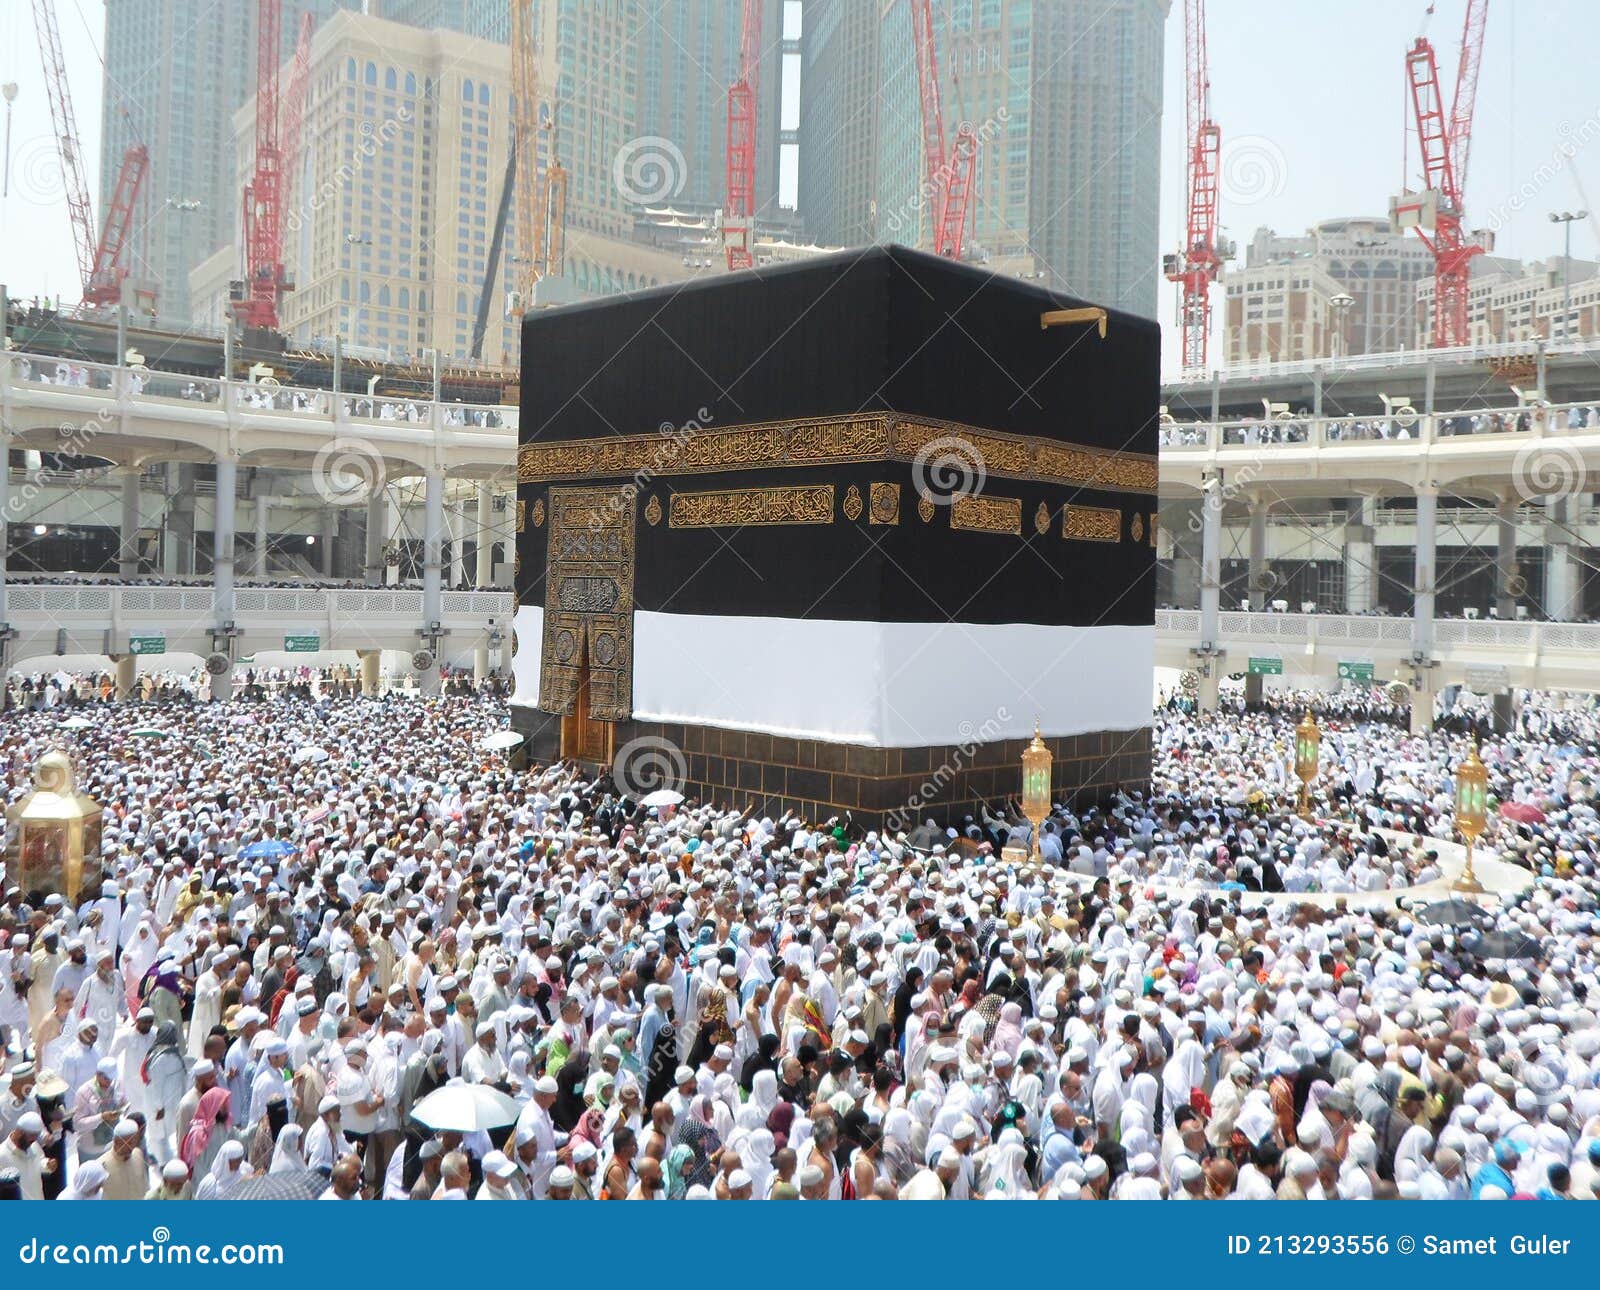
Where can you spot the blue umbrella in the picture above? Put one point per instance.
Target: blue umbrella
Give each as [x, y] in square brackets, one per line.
[267, 849]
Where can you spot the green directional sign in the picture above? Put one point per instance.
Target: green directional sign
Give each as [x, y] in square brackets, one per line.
[1355, 672]
[1266, 667]
[302, 644]
[147, 644]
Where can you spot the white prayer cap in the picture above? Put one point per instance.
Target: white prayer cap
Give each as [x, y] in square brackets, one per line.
[583, 1150]
[328, 1103]
[497, 1165]
[30, 1123]
[1186, 1168]
[546, 1084]
[205, 1066]
[949, 1158]
[174, 1171]
[126, 1129]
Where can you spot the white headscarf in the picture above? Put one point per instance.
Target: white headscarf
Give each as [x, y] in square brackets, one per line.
[286, 1153]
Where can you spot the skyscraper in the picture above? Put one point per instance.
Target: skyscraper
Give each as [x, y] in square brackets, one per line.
[840, 98]
[176, 71]
[1065, 98]
[1095, 148]
[688, 55]
[393, 208]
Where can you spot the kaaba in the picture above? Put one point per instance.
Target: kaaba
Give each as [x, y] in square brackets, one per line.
[835, 536]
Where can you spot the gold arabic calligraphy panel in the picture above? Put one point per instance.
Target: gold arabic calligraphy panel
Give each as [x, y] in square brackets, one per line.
[588, 608]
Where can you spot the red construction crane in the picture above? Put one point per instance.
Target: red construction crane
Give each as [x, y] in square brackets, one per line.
[256, 303]
[949, 176]
[738, 218]
[1445, 140]
[1199, 263]
[100, 259]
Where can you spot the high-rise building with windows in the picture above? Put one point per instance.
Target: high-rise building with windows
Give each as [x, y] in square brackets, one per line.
[1065, 98]
[392, 210]
[176, 71]
[840, 103]
[689, 53]
[486, 19]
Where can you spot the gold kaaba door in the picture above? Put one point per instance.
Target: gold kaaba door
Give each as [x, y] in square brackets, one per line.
[586, 665]
[584, 736]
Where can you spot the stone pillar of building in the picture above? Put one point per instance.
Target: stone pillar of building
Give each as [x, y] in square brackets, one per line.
[222, 610]
[1361, 558]
[325, 539]
[1211, 594]
[261, 507]
[1422, 608]
[1506, 589]
[485, 536]
[377, 532]
[128, 527]
[1258, 590]
[125, 674]
[1563, 598]
[432, 572]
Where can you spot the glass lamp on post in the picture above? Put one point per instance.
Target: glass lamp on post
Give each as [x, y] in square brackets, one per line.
[1472, 813]
[1307, 746]
[1036, 762]
[54, 846]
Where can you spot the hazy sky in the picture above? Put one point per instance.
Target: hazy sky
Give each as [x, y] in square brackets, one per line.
[1309, 96]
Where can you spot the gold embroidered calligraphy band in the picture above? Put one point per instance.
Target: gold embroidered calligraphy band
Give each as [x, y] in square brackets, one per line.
[835, 440]
[742, 507]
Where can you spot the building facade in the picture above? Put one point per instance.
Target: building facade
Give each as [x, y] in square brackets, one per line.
[1378, 268]
[840, 107]
[176, 72]
[1065, 100]
[1281, 312]
[1509, 301]
[393, 208]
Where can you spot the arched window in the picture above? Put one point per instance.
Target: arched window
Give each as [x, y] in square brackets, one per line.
[344, 288]
[483, 94]
[461, 302]
[383, 294]
[466, 90]
[411, 82]
[365, 293]
[371, 75]
[391, 79]
[422, 301]
[405, 297]
[350, 70]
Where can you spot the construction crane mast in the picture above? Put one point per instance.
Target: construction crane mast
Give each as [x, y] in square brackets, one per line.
[541, 197]
[738, 219]
[1445, 138]
[101, 267]
[949, 176]
[1199, 263]
[256, 302]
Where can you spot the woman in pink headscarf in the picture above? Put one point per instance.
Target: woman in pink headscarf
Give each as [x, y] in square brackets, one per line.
[202, 1142]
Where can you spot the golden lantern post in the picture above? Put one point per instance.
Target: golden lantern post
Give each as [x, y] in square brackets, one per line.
[1307, 746]
[1472, 813]
[1036, 762]
[54, 846]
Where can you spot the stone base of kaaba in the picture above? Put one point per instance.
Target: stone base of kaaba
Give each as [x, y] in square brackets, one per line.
[895, 788]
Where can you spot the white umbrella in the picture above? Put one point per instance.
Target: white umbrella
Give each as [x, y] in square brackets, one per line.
[465, 1108]
[662, 797]
[501, 739]
[76, 723]
[310, 753]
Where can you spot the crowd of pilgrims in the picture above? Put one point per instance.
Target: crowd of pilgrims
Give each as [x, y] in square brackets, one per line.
[291, 955]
